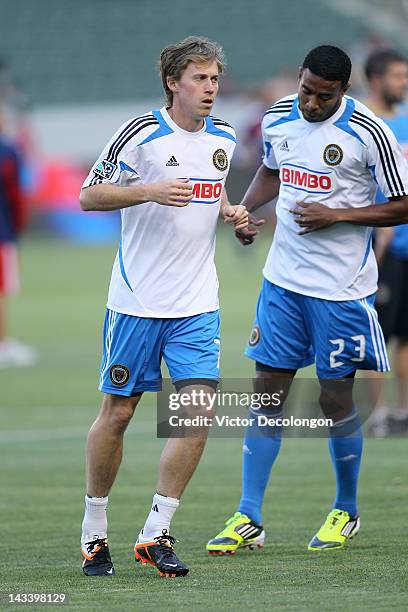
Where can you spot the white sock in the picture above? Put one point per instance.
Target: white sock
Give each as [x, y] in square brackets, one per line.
[163, 509]
[95, 523]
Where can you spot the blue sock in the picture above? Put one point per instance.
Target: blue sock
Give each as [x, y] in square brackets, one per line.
[260, 449]
[346, 447]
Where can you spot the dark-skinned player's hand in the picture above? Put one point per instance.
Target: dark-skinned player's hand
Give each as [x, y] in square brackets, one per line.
[247, 235]
[313, 216]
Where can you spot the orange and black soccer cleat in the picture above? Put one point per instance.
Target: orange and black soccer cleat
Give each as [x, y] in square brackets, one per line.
[97, 559]
[160, 554]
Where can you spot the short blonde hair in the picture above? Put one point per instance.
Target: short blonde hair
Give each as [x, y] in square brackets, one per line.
[175, 58]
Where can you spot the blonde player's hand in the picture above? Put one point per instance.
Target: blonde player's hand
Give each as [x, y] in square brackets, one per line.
[236, 216]
[172, 192]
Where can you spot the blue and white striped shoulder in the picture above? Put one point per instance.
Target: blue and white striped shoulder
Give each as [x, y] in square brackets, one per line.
[139, 126]
[282, 107]
[371, 127]
[219, 127]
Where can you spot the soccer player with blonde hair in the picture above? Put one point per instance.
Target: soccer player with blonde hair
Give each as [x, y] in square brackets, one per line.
[166, 172]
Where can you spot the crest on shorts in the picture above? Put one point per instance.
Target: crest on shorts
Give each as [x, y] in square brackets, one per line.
[105, 169]
[119, 375]
[254, 337]
[220, 160]
[332, 155]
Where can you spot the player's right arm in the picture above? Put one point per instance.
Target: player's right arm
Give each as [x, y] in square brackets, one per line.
[106, 197]
[263, 188]
[116, 180]
[265, 185]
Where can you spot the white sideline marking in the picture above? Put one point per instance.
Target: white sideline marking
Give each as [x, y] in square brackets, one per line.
[62, 433]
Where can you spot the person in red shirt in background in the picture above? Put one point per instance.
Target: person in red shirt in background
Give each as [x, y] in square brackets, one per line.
[13, 218]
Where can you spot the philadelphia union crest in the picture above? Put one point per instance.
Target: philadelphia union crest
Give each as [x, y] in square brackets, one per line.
[119, 375]
[254, 337]
[333, 154]
[220, 160]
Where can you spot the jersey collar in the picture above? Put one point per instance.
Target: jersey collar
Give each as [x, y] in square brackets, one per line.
[176, 128]
[331, 119]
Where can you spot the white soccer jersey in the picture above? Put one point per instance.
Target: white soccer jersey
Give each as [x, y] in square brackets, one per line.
[336, 162]
[165, 262]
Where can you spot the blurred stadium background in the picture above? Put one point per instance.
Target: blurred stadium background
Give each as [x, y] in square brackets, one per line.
[70, 73]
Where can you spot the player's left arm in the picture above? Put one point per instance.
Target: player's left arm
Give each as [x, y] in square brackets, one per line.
[385, 157]
[234, 215]
[315, 216]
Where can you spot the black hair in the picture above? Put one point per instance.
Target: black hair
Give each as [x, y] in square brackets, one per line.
[377, 62]
[329, 63]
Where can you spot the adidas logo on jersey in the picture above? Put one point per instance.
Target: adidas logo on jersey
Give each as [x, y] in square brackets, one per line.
[284, 146]
[172, 161]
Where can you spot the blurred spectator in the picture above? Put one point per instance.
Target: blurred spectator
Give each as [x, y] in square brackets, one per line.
[13, 108]
[249, 148]
[386, 71]
[362, 48]
[13, 218]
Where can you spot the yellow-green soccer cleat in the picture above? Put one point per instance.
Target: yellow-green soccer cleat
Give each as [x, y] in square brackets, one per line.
[337, 528]
[239, 532]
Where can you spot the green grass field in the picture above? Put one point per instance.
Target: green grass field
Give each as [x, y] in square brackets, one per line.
[45, 414]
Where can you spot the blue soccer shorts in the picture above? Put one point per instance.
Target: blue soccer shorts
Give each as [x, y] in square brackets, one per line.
[292, 331]
[134, 348]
